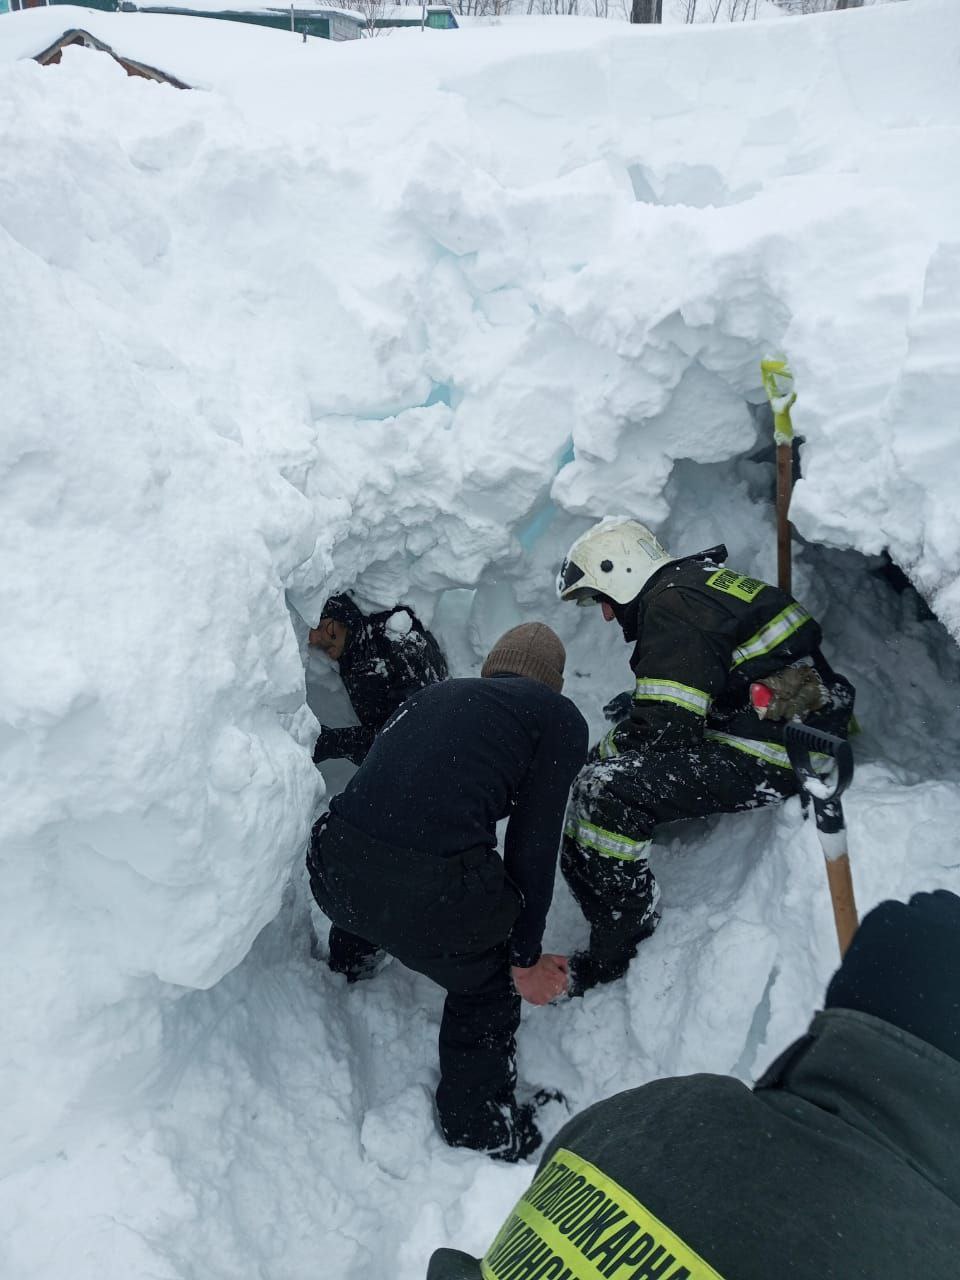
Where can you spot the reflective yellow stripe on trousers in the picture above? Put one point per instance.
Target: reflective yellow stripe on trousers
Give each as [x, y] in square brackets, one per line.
[610, 843]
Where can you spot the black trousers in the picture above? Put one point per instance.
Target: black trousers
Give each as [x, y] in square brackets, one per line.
[615, 807]
[449, 918]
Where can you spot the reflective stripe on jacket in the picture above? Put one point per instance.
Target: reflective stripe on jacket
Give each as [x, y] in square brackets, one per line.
[704, 633]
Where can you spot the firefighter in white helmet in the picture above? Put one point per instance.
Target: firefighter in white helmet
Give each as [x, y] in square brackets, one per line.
[690, 741]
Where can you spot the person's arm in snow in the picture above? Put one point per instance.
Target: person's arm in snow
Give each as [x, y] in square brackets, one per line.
[350, 743]
[402, 659]
[430, 659]
[680, 668]
[535, 827]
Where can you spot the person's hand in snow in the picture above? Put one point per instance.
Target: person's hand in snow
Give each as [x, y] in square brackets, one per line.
[543, 981]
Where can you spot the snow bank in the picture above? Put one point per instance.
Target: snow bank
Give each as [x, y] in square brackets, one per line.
[406, 316]
[154, 780]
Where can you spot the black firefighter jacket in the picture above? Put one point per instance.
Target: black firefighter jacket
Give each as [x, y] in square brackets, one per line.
[704, 633]
[842, 1164]
[389, 656]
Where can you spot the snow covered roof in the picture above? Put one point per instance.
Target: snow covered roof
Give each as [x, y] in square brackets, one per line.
[411, 11]
[237, 6]
[402, 16]
[198, 51]
[54, 52]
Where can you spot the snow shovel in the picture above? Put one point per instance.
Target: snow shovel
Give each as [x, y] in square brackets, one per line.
[778, 384]
[824, 790]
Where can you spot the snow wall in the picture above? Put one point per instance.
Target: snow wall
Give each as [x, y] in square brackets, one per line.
[406, 316]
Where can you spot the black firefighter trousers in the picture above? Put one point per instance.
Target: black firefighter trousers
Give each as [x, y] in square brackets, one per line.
[615, 806]
[449, 918]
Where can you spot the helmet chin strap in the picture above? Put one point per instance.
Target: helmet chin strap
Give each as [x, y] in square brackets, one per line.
[628, 615]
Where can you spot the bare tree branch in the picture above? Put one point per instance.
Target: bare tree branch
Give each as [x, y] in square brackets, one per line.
[373, 11]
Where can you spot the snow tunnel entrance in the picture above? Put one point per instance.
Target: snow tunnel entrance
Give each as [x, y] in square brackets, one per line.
[286, 1068]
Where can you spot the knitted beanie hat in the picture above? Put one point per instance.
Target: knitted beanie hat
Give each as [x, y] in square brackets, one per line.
[531, 649]
[342, 609]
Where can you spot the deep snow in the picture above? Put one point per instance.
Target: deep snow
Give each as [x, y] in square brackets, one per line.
[406, 316]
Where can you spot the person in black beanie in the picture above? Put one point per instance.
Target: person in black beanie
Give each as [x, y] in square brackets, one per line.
[382, 659]
[842, 1163]
[406, 861]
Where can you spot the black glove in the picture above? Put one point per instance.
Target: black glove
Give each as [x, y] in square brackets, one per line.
[351, 743]
[619, 707]
[904, 966]
[326, 747]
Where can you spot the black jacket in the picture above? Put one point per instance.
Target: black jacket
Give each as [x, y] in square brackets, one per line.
[389, 656]
[703, 634]
[456, 759]
[843, 1164]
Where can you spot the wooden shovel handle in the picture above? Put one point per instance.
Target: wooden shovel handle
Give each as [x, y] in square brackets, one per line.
[844, 904]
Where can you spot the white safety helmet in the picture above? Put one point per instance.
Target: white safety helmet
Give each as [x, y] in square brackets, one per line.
[615, 559]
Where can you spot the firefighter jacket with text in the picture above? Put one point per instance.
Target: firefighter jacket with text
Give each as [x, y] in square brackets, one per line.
[704, 633]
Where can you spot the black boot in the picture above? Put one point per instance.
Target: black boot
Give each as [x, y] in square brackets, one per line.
[619, 898]
[352, 956]
[523, 1134]
[525, 1137]
[504, 1130]
[590, 970]
[600, 964]
[586, 971]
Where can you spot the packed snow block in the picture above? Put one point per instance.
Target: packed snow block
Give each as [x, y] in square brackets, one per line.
[461, 206]
[156, 783]
[395, 505]
[927, 543]
[701, 417]
[910, 440]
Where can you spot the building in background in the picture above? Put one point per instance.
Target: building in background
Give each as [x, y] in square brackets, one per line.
[440, 17]
[327, 22]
